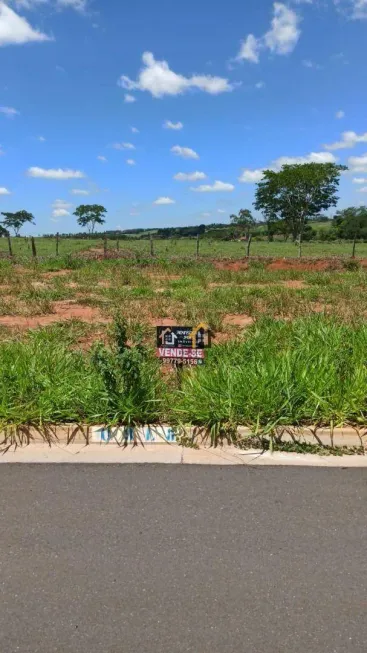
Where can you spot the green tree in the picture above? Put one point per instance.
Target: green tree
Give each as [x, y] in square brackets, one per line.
[244, 220]
[89, 215]
[351, 224]
[297, 193]
[16, 220]
[3, 231]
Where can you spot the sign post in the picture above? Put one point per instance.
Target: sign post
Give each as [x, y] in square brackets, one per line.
[182, 345]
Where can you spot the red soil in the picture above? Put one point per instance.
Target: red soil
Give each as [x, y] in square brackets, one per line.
[63, 310]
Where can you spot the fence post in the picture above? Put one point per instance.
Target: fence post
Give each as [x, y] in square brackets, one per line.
[34, 251]
[354, 248]
[105, 247]
[57, 244]
[118, 244]
[10, 247]
[197, 245]
[248, 246]
[151, 245]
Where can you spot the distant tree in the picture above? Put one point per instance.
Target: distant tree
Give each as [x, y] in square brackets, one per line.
[89, 215]
[3, 232]
[16, 220]
[244, 220]
[297, 193]
[351, 224]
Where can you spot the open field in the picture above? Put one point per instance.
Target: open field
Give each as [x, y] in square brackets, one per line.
[184, 247]
[289, 345]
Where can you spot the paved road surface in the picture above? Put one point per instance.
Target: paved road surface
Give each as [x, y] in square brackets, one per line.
[173, 559]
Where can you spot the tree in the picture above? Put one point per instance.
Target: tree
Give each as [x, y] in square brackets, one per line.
[16, 220]
[351, 223]
[3, 232]
[245, 220]
[297, 193]
[89, 215]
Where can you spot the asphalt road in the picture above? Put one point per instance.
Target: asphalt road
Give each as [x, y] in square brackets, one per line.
[176, 559]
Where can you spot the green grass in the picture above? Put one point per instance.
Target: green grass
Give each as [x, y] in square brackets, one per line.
[184, 247]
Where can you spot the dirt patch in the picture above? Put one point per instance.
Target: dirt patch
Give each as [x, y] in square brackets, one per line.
[5, 288]
[63, 310]
[302, 266]
[296, 284]
[104, 284]
[163, 321]
[39, 284]
[240, 319]
[56, 273]
[164, 277]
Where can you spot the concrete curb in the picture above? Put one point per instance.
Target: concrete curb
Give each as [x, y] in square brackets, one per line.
[161, 434]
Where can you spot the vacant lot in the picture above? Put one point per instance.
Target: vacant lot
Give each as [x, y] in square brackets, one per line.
[289, 345]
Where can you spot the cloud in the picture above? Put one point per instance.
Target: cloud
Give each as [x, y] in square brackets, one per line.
[9, 112]
[281, 38]
[123, 146]
[249, 49]
[340, 114]
[4, 191]
[134, 130]
[260, 85]
[59, 213]
[79, 191]
[254, 176]
[58, 173]
[172, 125]
[158, 79]
[348, 140]
[354, 9]
[164, 200]
[184, 152]
[1, 151]
[359, 180]
[15, 30]
[41, 139]
[129, 99]
[130, 162]
[78, 5]
[217, 187]
[308, 63]
[250, 176]
[221, 211]
[206, 214]
[189, 176]
[102, 158]
[358, 163]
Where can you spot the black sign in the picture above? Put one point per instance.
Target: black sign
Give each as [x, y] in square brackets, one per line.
[183, 337]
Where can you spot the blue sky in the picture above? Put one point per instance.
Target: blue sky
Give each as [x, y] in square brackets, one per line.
[166, 113]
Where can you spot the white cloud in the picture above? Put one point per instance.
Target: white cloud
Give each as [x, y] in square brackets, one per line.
[41, 139]
[102, 158]
[15, 30]
[168, 124]
[354, 9]
[157, 78]
[61, 204]
[362, 190]
[254, 176]
[134, 130]
[308, 63]
[358, 163]
[4, 191]
[217, 187]
[260, 85]
[359, 180]
[58, 173]
[134, 212]
[281, 38]
[250, 176]
[78, 5]
[340, 114]
[184, 152]
[284, 33]
[221, 211]
[130, 162]
[79, 191]
[164, 200]
[129, 99]
[9, 112]
[206, 214]
[348, 140]
[249, 49]
[59, 213]
[189, 176]
[123, 146]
